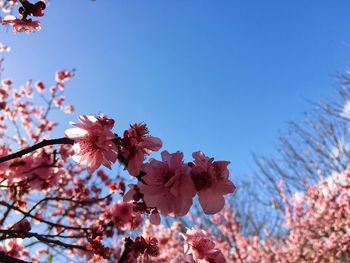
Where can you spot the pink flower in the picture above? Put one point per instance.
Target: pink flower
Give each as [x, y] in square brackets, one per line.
[63, 76]
[14, 248]
[211, 181]
[168, 185]
[69, 109]
[93, 142]
[20, 25]
[183, 259]
[136, 221]
[7, 83]
[136, 144]
[123, 216]
[4, 150]
[122, 213]
[37, 170]
[66, 151]
[201, 246]
[59, 101]
[40, 86]
[4, 48]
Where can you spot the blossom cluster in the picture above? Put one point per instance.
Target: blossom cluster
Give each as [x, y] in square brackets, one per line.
[167, 186]
[23, 24]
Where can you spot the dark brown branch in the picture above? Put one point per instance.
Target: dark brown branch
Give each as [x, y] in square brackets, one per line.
[127, 249]
[25, 234]
[35, 147]
[6, 215]
[8, 259]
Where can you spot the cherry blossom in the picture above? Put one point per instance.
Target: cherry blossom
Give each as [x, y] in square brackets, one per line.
[136, 144]
[26, 9]
[40, 86]
[93, 142]
[62, 76]
[201, 246]
[4, 48]
[36, 170]
[211, 180]
[14, 248]
[124, 216]
[53, 207]
[19, 25]
[168, 185]
[183, 259]
[50, 203]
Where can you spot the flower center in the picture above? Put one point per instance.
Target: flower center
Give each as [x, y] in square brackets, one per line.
[89, 144]
[202, 180]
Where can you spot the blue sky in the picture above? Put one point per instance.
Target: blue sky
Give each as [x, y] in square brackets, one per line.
[219, 76]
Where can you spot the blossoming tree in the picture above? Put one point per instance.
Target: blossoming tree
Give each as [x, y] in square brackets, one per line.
[60, 201]
[57, 200]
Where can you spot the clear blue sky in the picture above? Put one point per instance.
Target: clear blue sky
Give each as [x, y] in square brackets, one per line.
[220, 76]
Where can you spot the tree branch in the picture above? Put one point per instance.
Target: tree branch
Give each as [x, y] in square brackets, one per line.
[8, 259]
[127, 249]
[37, 146]
[25, 234]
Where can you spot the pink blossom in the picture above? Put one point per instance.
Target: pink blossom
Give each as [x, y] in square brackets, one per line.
[53, 90]
[4, 150]
[7, 83]
[59, 101]
[93, 142]
[122, 213]
[146, 246]
[89, 255]
[136, 222]
[136, 144]
[124, 216]
[68, 109]
[183, 259]
[132, 194]
[14, 248]
[168, 185]
[211, 180]
[63, 75]
[19, 25]
[3, 94]
[37, 170]
[4, 48]
[40, 86]
[202, 246]
[66, 151]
